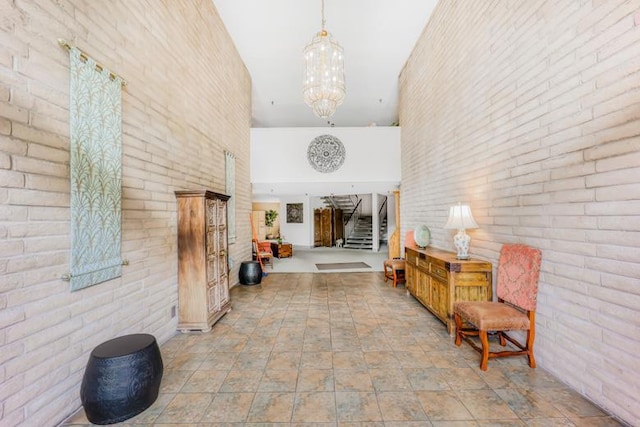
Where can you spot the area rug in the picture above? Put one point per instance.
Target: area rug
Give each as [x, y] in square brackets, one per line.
[342, 265]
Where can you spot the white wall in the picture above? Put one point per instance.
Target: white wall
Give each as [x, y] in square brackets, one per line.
[297, 234]
[279, 161]
[280, 170]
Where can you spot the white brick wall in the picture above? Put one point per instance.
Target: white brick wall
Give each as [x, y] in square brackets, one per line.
[188, 100]
[530, 112]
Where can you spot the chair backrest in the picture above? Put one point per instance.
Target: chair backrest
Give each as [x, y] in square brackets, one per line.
[264, 247]
[518, 274]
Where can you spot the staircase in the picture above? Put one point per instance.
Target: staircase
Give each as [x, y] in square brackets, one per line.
[362, 235]
[345, 203]
[383, 231]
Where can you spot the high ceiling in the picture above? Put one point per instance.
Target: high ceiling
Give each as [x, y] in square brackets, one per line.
[377, 37]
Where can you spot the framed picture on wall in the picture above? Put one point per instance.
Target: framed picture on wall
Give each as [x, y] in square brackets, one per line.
[294, 213]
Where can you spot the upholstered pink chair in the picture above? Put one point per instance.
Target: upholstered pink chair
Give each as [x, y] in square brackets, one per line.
[517, 290]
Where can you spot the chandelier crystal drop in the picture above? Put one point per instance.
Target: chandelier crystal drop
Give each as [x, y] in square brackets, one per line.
[324, 88]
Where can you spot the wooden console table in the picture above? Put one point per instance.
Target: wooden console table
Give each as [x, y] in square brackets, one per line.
[437, 279]
[282, 250]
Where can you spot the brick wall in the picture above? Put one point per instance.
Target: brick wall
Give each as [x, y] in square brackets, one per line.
[530, 112]
[187, 100]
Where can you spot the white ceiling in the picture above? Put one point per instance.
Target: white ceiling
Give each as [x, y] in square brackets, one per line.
[377, 37]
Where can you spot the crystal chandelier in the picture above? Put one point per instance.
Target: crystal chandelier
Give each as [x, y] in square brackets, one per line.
[324, 76]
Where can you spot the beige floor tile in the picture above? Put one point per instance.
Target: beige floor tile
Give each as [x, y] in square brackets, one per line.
[315, 380]
[571, 404]
[389, 380]
[317, 345]
[596, 422]
[501, 423]
[353, 380]
[219, 361]
[349, 360]
[186, 361]
[443, 406]
[316, 360]
[278, 380]
[204, 382]
[285, 360]
[289, 345]
[381, 360]
[260, 343]
[427, 379]
[319, 407]
[550, 422]
[271, 408]
[396, 406]
[241, 381]
[406, 424]
[528, 404]
[353, 406]
[454, 424]
[485, 405]
[185, 408]
[465, 379]
[345, 344]
[375, 344]
[173, 381]
[251, 360]
[228, 407]
[413, 359]
[149, 415]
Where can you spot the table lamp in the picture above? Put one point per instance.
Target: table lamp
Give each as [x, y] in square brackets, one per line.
[460, 218]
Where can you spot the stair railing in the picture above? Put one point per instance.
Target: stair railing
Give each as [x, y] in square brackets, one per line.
[332, 201]
[382, 214]
[352, 219]
[355, 211]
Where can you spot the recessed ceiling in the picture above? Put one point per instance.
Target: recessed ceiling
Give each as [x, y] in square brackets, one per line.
[377, 37]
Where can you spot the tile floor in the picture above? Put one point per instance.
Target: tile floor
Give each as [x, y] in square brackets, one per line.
[346, 349]
[304, 260]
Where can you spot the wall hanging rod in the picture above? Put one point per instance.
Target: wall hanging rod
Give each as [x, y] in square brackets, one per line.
[65, 44]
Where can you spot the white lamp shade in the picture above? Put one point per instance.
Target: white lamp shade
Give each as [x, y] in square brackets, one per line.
[460, 218]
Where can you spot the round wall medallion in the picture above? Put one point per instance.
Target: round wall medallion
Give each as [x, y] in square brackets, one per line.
[326, 153]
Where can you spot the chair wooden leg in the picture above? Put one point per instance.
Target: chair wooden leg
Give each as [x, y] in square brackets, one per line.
[531, 334]
[458, 321]
[484, 339]
[395, 277]
[502, 339]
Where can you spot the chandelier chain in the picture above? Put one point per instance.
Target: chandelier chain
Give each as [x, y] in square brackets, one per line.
[323, 20]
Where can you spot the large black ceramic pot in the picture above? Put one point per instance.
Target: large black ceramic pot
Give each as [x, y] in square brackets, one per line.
[122, 378]
[250, 273]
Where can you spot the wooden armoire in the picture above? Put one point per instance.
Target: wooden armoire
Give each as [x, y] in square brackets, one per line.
[328, 226]
[203, 259]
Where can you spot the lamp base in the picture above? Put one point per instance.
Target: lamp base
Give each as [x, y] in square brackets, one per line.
[461, 241]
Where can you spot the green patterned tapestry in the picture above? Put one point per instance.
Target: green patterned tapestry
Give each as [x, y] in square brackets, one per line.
[96, 173]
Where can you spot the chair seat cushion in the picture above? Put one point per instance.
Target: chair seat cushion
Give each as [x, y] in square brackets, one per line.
[397, 264]
[492, 316]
